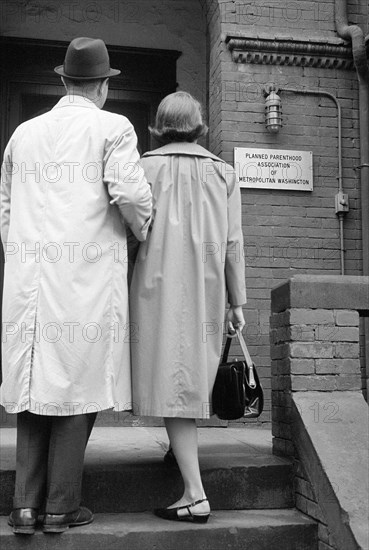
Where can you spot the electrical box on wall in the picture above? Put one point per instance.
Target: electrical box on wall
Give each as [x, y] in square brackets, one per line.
[342, 202]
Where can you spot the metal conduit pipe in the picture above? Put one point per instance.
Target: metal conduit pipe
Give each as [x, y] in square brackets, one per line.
[356, 35]
[340, 180]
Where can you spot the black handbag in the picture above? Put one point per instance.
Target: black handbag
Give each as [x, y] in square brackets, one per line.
[237, 390]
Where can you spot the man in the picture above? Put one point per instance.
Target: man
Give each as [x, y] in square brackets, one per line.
[71, 182]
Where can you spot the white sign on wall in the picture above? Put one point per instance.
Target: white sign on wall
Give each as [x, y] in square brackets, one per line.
[274, 169]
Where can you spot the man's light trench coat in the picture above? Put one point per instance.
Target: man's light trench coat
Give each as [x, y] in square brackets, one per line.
[69, 179]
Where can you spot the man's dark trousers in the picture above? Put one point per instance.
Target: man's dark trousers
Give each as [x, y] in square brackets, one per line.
[49, 463]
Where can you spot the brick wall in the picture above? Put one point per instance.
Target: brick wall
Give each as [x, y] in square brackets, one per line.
[359, 14]
[311, 350]
[289, 232]
[214, 51]
[307, 501]
[314, 18]
[315, 354]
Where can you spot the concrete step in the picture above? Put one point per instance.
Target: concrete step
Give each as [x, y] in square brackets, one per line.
[125, 472]
[236, 530]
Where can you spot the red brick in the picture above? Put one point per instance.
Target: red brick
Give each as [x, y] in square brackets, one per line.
[301, 503]
[284, 430]
[281, 414]
[347, 318]
[279, 351]
[313, 383]
[348, 382]
[349, 350]
[281, 398]
[303, 487]
[281, 366]
[313, 509]
[311, 317]
[302, 366]
[337, 366]
[310, 350]
[323, 533]
[281, 383]
[274, 340]
[301, 333]
[337, 334]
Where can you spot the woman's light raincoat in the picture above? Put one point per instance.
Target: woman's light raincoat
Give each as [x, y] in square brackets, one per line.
[192, 257]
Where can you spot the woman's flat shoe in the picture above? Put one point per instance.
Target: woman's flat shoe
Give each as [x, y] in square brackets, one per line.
[183, 513]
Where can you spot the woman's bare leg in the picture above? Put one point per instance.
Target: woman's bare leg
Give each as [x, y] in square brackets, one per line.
[182, 433]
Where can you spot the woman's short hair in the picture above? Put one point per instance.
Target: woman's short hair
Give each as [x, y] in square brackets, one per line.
[178, 118]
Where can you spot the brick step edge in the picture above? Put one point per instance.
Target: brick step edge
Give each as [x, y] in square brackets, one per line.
[261, 530]
[117, 488]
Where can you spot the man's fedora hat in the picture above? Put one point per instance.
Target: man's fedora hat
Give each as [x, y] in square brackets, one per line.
[86, 59]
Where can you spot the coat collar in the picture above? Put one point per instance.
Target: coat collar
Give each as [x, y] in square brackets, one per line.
[75, 101]
[182, 148]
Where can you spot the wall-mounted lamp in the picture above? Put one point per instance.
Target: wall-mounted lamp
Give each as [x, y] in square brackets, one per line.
[273, 112]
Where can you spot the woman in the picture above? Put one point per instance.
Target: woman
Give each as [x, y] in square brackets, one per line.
[193, 255]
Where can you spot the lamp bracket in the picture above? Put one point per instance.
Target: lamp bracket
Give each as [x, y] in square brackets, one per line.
[270, 88]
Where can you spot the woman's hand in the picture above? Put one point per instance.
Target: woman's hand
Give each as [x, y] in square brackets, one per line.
[235, 319]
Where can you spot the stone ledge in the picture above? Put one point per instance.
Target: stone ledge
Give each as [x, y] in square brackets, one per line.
[334, 452]
[286, 50]
[322, 292]
[331, 40]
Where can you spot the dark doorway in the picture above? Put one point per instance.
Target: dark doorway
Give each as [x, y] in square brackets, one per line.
[29, 85]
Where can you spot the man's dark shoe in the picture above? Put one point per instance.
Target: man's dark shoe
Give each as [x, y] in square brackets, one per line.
[23, 521]
[57, 523]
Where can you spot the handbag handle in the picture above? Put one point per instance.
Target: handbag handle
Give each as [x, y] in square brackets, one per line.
[245, 351]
